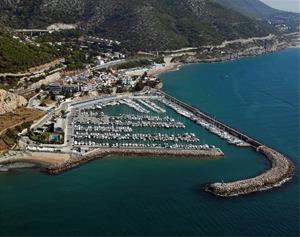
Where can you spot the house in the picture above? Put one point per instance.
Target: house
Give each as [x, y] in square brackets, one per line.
[55, 88]
[71, 88]
[59, 125]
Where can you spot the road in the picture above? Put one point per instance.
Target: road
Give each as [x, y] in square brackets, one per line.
[109, 64]
[242, 41]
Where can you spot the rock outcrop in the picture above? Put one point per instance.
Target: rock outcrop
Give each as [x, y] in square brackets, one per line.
[9, 101]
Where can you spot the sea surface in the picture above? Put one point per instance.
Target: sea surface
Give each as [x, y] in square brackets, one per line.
[160, 196]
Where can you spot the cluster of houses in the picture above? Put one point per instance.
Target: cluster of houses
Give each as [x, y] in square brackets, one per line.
[108, 57]
[72, 85]
[85, 83]
[94, 39]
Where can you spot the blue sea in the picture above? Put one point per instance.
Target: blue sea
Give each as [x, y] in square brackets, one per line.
[164, 197]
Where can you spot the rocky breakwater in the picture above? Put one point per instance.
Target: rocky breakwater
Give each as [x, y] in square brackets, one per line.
[282, 170]
[9, 101]
[77, 160]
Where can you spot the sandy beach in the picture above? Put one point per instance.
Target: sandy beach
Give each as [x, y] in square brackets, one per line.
[41, 158]
[154, 71]
[168, 66]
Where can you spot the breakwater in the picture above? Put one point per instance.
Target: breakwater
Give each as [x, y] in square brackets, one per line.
[77, 160]
[282, 169]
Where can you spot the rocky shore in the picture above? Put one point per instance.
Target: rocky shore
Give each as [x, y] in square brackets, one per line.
[78, 160]
[282, 170]
[251, 52]
[232, 50]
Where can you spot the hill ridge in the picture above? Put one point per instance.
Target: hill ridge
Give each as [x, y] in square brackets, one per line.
[140, 24]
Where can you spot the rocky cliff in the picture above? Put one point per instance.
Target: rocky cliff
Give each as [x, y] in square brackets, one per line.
[9, 101]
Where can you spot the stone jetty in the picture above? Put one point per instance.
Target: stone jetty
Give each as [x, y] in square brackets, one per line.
[282, 170]
[77, 160]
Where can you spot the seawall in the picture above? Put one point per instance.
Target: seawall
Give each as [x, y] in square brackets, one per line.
[78, 160]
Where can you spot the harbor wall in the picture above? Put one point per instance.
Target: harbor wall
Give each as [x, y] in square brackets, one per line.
[281, 171]
[78, 160]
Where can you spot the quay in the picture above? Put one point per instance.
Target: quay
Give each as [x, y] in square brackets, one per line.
[282, 169]
[78, 160]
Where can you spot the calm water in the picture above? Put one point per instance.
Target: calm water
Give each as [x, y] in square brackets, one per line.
[141, 196]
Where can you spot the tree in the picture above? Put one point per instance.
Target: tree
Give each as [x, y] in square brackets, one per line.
[44, 87]
[145, 75]
[63, 112]
[139, 86]
[52, 96]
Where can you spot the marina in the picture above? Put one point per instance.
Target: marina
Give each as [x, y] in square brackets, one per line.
[142, 106]
[135, 105]
[87, 135]
[144, 124]
[92, 128]
[212, 127]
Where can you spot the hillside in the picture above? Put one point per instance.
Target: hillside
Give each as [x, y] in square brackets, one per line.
[251, 8]
[139, 24]
[259, 10]
[18, 56]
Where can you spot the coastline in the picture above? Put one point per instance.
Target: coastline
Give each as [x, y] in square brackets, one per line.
[43, 159]
[173, 66]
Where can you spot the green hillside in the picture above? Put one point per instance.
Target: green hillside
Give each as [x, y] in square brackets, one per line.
[18, 57]
[139, 24]
[251, 8]
[261, 11]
